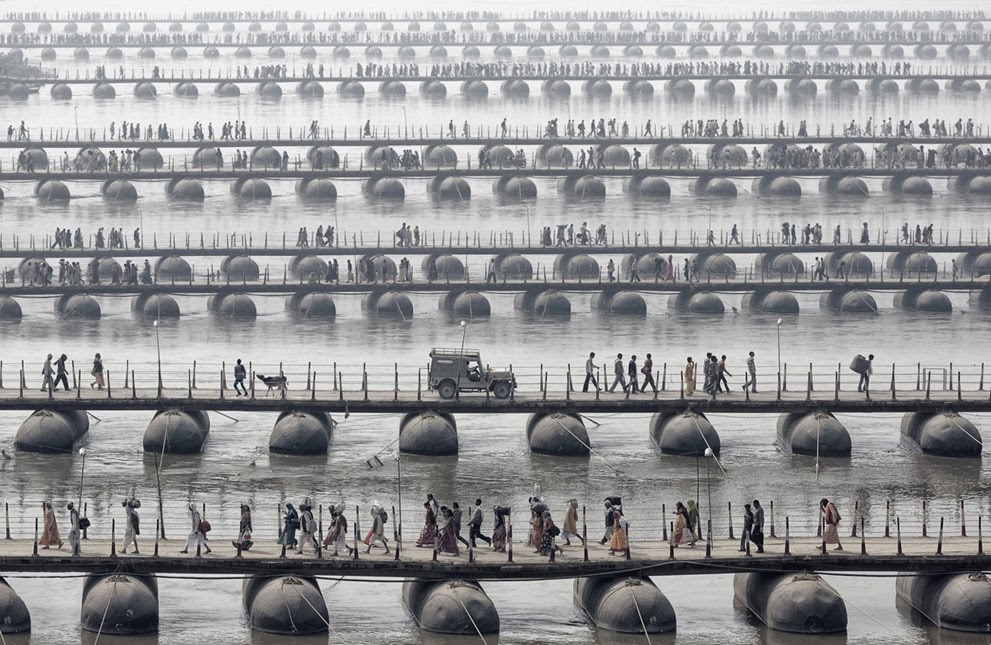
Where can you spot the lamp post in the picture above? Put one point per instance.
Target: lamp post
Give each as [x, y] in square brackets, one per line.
[529, 236]
[158, 347]
[778, 327]
[82, 474]
[708, 490]
[461, 359]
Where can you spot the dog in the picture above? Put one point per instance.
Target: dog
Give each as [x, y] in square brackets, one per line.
[274, 383]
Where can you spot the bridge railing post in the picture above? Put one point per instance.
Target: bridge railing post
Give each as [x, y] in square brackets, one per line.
[35, 551]
[357, 531]
[584, 536]
[509, 537]
[856, 510]
[863, 537]
[887, 518]
[708, 539]
[157, 521]
[729, 513]
[787, 535]
[925, 519]
[772, 520]
[664, 522]
[898, 533]
[980, 535]
[939, 544]
[963, 521]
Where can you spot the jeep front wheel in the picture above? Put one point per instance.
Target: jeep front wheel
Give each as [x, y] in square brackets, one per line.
[502, 390]
[447, 389]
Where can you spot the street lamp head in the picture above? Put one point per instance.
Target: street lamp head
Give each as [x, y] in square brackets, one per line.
[708, 452]
[779, 322]
[82, 452]
[464, 324]
[155, 324]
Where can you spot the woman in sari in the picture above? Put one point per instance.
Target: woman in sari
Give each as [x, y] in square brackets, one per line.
[499, 531]
[669, 274]
[831, 519]
[570, 529]
[289, 527]
[536, 529]
[682, 533]
[50, 535]
[337, 534]
[548, 533]
[448, 540]
[690, 376]
[428, 534]
[244, 530]
[618, 542]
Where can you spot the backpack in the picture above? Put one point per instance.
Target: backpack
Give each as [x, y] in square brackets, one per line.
[383, 515]
[84, 523]
[554, 531]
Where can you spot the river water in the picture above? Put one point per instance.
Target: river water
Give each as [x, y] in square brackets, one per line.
[494, 462]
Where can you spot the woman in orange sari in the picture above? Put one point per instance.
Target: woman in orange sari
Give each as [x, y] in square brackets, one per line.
[618, 541]
[50, 535]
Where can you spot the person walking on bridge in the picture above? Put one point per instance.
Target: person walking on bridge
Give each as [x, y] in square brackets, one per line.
[475, 525]
[751, 380]
[97, 372]
[46, 375]
[61, 375]
[757, 531]
[50, 534]
[831, 521]
[748, 527]
[239, 375]
[632, 372]
[197, 537]
[132, 527]
[689, 376]
[74, 531]
[620, 374]
[590, 373]
[648, 375]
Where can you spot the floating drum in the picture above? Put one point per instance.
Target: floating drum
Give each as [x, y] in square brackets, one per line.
[557, 434]
[946, 434]
[432, 89]
[475, 89]
[771, 302]
[471, 52]
[172, 268]
[317, 188]
[120, 605]
[186, 90]
[155, 305]
[80, 53]
[52, 190]
[177, 432]
[439, 156]
[959, 602]
[80, 305]
[396, 89]
[291, 605]
[61, 92]
[227, 90]
[179, 53]
[683, 434]
[438, 51]
[849, 301]
[628, 303]
[252, 189]
[10, 309]
[390, 303]
[305, 266]
[513, 267]
[516, 89]
[385, 188]
[301, 433]
[577, 267]
[798, 603]
[146, 52]
[211, 52]
[145, 90]
[625, 605]
[666, 51]
[451, 607]
[312, 305]
[428, 433]
[187, 190]
[49, 431]
[467, 304]
[269, 90]
[310, 89]
[702, 302]
[814, 433]
[232, 305]
[242, 52]
[14, 615]
[447, 267]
